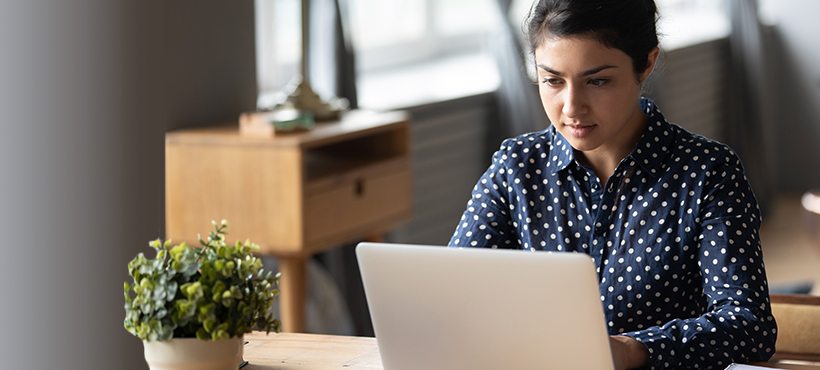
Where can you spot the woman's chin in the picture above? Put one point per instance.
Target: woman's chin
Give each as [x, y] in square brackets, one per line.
[583, 144]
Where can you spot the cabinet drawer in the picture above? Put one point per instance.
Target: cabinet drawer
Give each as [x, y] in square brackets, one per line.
[356, 205]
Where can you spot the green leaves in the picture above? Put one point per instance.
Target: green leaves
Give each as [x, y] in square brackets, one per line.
[193, 291]
[214, 292]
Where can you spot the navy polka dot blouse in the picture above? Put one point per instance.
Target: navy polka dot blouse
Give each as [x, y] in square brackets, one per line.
[673, 233]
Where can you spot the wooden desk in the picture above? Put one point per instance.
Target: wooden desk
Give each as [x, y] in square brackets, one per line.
[310, 352]
[295, 194]
[329, 352]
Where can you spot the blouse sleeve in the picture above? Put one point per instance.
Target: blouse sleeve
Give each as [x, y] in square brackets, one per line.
[486, 222]
[738, 325]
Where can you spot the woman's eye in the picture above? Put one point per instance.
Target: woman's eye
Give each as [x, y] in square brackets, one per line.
[597, 81]
[552, 81]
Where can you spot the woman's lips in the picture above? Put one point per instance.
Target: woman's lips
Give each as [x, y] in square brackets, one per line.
[580, 131]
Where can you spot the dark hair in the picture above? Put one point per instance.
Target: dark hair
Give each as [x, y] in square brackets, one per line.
[626, 25]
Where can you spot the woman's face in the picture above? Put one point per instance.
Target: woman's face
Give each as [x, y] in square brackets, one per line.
[590, 93]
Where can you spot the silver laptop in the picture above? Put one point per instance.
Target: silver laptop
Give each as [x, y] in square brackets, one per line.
[448, 308]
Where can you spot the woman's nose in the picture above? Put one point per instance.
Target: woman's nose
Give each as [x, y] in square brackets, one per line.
[575, 104]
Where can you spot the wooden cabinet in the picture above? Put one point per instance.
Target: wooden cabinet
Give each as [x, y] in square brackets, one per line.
[295, 194]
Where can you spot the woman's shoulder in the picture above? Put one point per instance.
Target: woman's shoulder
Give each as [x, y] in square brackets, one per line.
[530, 140]
[529, 145]
[699, 148]
[683, 142]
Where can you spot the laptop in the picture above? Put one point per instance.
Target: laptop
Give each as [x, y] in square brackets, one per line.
[471, 308]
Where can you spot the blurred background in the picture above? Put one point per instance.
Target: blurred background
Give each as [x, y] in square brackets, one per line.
[88, 89]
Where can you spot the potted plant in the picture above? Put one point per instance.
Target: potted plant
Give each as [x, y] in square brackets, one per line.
[192, 305]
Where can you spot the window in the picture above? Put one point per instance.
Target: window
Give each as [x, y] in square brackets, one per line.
[400, 32]
[688, 22]
[386, 34]
[278, 45]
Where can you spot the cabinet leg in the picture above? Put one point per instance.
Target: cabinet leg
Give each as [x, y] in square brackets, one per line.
[293, 287]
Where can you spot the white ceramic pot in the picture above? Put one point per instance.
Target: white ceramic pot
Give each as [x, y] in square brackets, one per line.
[194, 354]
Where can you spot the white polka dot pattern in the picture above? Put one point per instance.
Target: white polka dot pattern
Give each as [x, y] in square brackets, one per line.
[674, 233]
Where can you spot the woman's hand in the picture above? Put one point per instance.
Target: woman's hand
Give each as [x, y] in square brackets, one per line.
[628, 353]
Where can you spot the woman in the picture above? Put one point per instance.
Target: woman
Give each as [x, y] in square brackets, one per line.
[668, 216]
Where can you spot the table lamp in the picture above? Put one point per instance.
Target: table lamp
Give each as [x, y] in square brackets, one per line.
[300, 94]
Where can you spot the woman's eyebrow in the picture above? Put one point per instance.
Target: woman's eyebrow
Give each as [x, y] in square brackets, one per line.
[596, 70]
[550, 70]
[585, 73]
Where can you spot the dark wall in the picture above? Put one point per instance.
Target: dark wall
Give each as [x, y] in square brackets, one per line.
[87, 90]
[210, 61]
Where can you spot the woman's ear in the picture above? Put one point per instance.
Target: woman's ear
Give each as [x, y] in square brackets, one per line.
[650, 63]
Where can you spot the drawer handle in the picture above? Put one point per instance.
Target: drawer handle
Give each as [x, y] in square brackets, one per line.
[359, 187]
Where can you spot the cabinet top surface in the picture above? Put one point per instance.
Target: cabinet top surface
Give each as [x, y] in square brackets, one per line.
[352, 124]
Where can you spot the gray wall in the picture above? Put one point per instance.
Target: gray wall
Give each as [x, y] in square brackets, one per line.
[797, 125]
[87, 90]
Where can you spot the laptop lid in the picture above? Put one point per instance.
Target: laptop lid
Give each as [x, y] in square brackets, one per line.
[470, 308]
